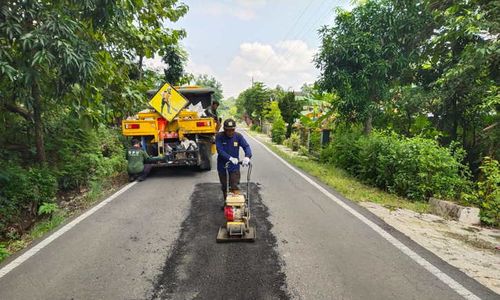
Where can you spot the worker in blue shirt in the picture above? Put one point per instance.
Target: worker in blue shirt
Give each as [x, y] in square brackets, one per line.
[228, 145]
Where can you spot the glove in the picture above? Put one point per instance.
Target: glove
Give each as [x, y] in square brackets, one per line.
[234, 160]
[246, 161]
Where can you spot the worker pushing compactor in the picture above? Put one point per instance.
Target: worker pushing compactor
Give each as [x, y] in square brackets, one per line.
[228, 147]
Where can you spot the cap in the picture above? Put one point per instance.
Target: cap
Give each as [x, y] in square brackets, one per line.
[229, 124]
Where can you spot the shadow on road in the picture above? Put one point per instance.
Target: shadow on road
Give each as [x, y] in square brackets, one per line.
[199, 268]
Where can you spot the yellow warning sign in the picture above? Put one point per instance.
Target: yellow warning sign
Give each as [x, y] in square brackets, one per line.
[168, 102]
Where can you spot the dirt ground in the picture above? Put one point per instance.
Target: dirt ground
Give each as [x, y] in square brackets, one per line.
[472, 249]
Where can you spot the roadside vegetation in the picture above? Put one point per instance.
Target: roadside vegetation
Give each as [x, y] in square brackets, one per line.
[407, 102]
[69, 72]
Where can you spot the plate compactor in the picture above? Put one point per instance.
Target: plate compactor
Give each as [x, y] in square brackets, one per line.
[237, 214]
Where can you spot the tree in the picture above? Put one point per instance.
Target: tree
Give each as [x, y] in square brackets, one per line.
[254, 100]
[463, 57]
[210, 81]
[290, 109]
[76, 56]
[175, 58]
[366, 51]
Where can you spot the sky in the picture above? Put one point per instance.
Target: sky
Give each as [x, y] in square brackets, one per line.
[273, 41]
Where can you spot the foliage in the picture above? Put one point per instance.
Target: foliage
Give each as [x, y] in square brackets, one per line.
[175, 58]
[348, 186]
[293, 142]
[416, 168]
[487, 195]
[48, 208]
[278, 128]
[278, 131]
[253, 100]
[463, 62]
[4, 253]
[77, 157]
[210, 81]
[290, 109]
[78, 56]
[256, 128]
[366, 50]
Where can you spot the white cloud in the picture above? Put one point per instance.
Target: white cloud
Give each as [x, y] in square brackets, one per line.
[287, 63]
[155, 64]
[197, 69]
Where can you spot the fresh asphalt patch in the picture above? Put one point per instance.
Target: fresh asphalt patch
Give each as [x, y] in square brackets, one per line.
[200, 268]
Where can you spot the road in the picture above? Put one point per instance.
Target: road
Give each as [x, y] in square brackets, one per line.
[156, 240]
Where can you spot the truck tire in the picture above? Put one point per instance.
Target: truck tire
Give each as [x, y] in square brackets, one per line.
[205, 157]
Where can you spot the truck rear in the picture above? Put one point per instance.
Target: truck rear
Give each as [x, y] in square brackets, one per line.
[176, 136]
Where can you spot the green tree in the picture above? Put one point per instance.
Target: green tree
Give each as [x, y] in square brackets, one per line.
[175, 58]
[290, 109]
[463, 60]
[210, 81]
[77, 56]
[254, 100]
[367, 50]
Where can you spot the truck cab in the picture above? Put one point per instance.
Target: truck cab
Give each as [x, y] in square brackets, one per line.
[188, 139]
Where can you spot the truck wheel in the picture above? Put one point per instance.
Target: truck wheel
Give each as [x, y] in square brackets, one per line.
[205, 157]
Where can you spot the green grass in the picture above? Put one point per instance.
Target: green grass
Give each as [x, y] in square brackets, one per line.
[348, 186]
[41, 228]
[97, 190]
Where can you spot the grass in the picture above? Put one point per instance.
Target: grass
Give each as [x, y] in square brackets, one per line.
[348, 186]
[97, 190]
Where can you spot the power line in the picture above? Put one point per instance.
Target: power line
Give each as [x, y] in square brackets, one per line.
[291, 28]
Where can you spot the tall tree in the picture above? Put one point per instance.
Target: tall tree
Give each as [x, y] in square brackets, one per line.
[175, 58]
[463, 56]
[76, 56]
[254, 100]
[290, 109]
[366, 51]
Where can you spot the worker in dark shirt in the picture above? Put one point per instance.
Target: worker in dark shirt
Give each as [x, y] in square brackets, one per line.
[136, 158]
[228, 145]
[211, 112]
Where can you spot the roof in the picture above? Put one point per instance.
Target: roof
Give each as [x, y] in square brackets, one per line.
[187, 90]
[195, 90]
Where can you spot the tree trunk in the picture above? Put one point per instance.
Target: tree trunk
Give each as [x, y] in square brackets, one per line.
[454, 129]
[408, 128]
[288, 130]
[141, 60]
[368, 125]
[37, 118]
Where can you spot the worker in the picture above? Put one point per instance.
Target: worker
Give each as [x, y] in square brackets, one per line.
[211, 112]
[228, 145]
[136, 157]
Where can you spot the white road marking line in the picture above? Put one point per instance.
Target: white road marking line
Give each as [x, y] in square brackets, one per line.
[25, 256]
[454, 285]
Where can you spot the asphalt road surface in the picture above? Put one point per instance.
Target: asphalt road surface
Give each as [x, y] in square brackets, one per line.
[156, 240]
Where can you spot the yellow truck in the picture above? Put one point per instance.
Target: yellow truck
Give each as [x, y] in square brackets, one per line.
[175, 133]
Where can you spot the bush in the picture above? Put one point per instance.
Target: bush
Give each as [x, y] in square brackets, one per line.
[293, 142]
[487, 196]
[278, 131]
[76, 158]
[256, 128]
[303, 151]
[23, 189]
[315, 142]
[4, 253]
[416, 168]
[85, 155]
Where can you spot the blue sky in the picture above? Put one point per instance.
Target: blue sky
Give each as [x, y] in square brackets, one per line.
[271, 41]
